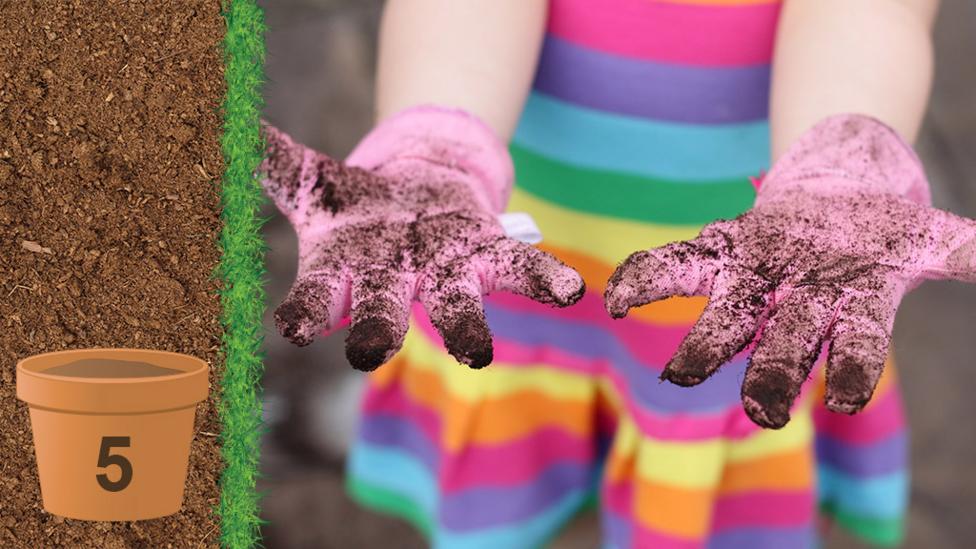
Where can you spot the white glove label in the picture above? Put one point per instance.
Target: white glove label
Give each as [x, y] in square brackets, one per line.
[520, 226]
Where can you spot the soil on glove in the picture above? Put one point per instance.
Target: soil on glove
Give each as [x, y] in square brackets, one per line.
[109, 169]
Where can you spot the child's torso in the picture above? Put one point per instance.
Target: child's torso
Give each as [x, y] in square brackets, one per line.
[646, 111]
[645, 122]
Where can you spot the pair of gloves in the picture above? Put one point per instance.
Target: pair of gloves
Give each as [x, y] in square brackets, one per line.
[841, 229]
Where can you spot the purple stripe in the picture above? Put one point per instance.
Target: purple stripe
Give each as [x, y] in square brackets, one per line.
[401, 434]
[764, 538]
[658, 91]
[717, 393]
[487, 507]
[617, 530]
[883, 457]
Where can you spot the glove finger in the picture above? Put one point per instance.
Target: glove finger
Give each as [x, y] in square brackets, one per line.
[676, 269]
[785, 354]
[299, 179]
[526, 270]
[727, 325]
[859, 346]
[379, 315]
[282, 167]
[314, 303]
[453, 302]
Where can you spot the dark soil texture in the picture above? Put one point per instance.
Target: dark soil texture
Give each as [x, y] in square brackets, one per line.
[110, 165]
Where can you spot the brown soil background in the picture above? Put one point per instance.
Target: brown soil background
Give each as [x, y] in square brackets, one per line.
[109, 169]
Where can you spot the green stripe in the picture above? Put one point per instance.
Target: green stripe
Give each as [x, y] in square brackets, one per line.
[883, 532]
[241, 271]
[389, 503]
[627, 196]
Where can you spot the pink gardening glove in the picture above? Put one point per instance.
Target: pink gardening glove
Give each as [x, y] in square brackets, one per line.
[410, 215]
[840, 231]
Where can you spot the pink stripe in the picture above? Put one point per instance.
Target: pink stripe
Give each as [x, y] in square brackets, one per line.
[617, 496]
[649, 344]
[753, 509]
[881, 420]
[393, 400]
[515, 353]
[765, 509]
[678, 427]
[667, 32]
[512, 463]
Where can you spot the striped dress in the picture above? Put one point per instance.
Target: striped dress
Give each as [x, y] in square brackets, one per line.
[645, 121]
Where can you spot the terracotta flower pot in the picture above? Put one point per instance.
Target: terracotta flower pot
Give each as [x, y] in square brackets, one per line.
[112, 429]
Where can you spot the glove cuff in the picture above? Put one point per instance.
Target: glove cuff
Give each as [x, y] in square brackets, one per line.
[451, 137]
[849, 152]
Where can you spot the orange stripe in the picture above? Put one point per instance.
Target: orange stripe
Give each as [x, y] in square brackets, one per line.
[787, 471]
[678, 512]
[595, 273]
[889, 379]
[620, 467]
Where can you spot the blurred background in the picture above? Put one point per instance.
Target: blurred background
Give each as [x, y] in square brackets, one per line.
[320, 64]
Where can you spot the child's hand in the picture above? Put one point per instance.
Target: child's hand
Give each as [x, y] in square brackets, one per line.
[840, 231]
[417, 225]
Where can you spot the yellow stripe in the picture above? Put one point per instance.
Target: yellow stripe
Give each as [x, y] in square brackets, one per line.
[608, 240]
[678, 464]
[497, 381]
[697, 464]
[797, 433]
[701, 464]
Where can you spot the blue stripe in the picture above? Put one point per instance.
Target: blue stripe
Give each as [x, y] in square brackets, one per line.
[883, 497]
[652, 90]
[716, 394]
[688, 153]
[394, 471]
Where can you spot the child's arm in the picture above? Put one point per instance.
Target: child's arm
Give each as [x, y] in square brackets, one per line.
[841, 228]
[870, 57]
[411, 215]
[476, 55]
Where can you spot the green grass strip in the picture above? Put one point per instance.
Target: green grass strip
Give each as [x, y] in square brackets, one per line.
[241, 272]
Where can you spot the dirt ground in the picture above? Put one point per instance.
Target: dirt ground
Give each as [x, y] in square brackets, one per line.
[320, 64]
[109, 169]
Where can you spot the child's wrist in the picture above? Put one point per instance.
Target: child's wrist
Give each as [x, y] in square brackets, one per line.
[849, 153]
[448, 137]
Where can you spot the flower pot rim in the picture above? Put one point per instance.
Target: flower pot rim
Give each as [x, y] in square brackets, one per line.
[25, 365]
[113, 395]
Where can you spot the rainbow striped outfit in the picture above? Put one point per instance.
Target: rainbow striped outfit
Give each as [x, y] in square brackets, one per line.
[645, 121]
